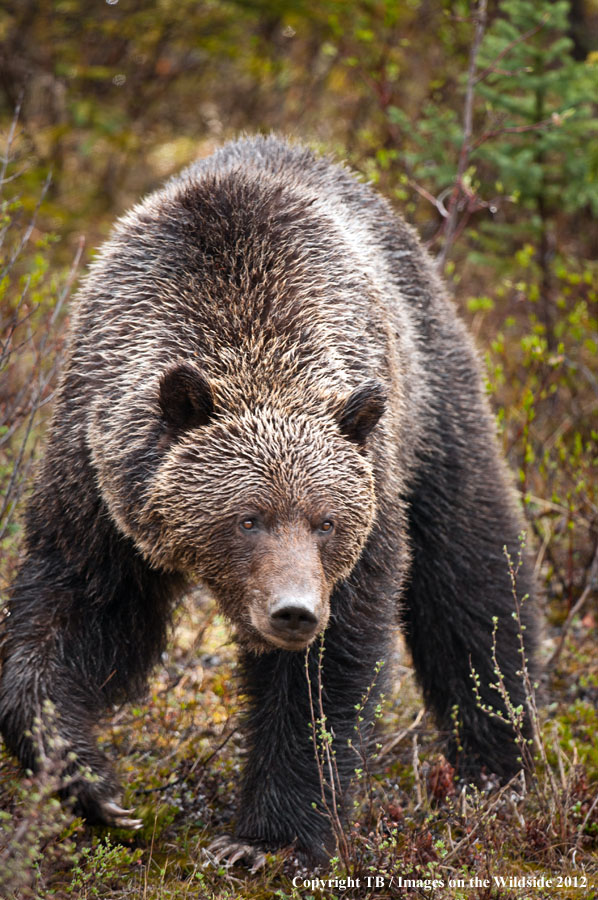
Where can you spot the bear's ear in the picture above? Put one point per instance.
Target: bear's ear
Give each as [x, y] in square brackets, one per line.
[185, 398]
[361, 411]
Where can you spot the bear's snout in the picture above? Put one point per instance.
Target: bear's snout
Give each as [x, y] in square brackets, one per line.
[289, 593]
[293, 614]
[294, 619]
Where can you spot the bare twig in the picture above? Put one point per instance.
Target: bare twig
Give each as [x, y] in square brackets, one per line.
[416, 772]
[464, 154]
[325, 759]
[591, 585]
[397, 738]
[490, 809]
[511, 129]
[582, 827]
[435, 201]
[6, 158]
[198, 764]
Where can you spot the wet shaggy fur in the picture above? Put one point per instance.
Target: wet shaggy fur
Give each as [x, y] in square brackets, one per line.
[268, 392]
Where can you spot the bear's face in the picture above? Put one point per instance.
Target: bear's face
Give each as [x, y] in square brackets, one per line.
[269, 510]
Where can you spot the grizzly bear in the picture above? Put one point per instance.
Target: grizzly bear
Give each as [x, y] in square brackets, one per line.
[267, 392]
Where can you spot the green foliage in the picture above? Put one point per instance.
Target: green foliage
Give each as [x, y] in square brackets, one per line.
[555, 454]
[35, 829]
[542, 105]
[31, 298]
[99, 868]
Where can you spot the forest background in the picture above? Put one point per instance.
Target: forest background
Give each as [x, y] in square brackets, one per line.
[479, 121]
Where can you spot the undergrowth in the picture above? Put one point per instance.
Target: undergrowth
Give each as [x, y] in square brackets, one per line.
[180, 755]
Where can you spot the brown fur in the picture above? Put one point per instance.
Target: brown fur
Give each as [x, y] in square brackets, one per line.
[264, 342]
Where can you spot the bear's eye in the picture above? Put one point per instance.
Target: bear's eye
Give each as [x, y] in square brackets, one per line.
[326, 526]
[248, 524]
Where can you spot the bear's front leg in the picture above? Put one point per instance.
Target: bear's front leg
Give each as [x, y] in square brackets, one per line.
[287, 797]
[69, 651]
[48, 712]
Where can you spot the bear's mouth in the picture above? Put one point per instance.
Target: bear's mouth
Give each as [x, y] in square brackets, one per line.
[290, 622]
[258, 642]
[265, 640]
[293, 646]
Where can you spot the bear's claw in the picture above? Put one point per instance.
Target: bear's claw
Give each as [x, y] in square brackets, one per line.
[115, 815]
[229, 850]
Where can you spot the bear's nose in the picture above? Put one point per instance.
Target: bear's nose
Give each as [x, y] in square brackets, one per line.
[293, 620]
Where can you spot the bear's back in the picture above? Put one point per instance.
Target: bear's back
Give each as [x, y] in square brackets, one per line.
[261, 252]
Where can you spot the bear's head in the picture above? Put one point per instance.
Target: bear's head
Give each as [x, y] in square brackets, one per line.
[268, 507]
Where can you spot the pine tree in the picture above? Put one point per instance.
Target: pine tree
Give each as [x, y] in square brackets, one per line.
[542, 134]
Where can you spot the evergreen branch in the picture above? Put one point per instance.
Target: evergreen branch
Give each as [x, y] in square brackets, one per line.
[511, 129]
[491, 69]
